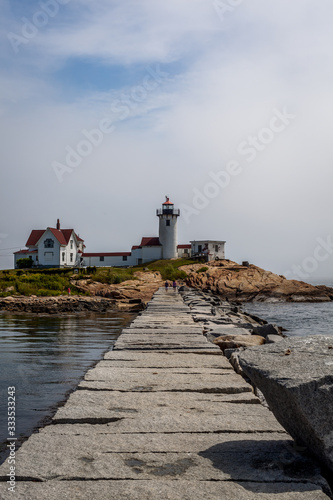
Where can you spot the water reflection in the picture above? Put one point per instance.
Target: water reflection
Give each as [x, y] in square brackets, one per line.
[45, 357]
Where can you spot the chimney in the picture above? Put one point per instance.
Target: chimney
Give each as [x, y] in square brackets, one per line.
[58, 224]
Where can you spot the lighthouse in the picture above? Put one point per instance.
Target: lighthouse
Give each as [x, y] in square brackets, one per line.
[168, 229]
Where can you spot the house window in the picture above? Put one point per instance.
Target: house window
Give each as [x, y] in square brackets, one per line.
[71, 244]
[199, 248]
[63, 256]
[71, 257]
[216, 248]
[124, 257]
[167, 223]
[101, 259]
[48, 243]
[48, 256]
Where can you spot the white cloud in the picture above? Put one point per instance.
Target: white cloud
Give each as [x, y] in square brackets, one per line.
[225, 80]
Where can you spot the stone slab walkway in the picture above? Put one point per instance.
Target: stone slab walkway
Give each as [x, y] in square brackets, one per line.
[163, 416]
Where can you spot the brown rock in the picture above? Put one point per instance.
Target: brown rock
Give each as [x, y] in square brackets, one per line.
[245, 283]
[235, 341]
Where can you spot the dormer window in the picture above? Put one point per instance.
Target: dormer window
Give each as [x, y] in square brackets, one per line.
[48, 243]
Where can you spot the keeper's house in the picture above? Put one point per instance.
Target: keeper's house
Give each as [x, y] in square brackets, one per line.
[52, 247]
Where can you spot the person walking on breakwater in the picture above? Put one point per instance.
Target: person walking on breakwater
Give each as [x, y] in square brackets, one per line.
[174, 285]
[166, 286]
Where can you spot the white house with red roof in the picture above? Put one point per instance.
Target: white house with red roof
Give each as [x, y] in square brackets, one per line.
[53, 247]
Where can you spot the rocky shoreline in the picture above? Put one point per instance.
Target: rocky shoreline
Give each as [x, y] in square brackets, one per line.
[252, 284]
[66, 304]
[224, 279]
[131, 295]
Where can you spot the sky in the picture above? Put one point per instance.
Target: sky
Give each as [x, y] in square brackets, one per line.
[225, 106]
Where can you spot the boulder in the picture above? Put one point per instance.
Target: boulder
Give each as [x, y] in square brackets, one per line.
[246, 283]
[296, 378]
[235, 341]
[268, 329]
[271, 339]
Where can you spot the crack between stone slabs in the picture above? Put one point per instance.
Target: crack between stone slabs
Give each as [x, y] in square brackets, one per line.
[201, 352]
[231, 480]
[226, 368]
[92, 421]
[166, 368]
[22, 478]
[183, 432]
[227, 371]
[175, 349]
[203, 391]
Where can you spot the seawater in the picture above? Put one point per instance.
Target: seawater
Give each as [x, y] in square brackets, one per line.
[44, 357]
[300, 319]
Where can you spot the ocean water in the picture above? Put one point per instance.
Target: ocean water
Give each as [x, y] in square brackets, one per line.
[301, 319]
[44, 358]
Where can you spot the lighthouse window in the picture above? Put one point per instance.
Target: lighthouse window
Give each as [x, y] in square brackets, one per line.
[167, 223]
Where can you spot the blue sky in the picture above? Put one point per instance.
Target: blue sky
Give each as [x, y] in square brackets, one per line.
[187, 86]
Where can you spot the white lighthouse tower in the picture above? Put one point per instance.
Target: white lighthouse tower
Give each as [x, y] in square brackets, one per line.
[168, 229]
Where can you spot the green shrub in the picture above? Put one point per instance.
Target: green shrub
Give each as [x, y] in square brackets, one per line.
[24, 263]
[202, 269]
[91, 270]
[172, 273]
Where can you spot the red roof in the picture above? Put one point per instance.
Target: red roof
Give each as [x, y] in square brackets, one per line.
[135, 247]
[27, 251]
[150, 242]
[184, 246]
[114, 254]
[62, 235]
[167, 203]
[35, 235]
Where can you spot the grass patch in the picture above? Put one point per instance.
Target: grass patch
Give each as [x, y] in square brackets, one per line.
[53, 282]
[36, 282]
[113, 275]
[202, 269]
[169, 269]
